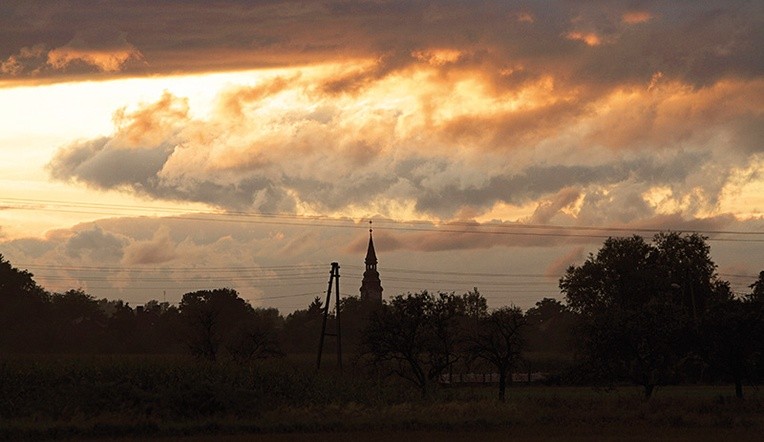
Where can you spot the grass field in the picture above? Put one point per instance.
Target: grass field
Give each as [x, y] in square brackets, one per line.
[45, 398]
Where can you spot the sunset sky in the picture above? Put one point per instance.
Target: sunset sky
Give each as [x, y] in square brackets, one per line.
[154, 148]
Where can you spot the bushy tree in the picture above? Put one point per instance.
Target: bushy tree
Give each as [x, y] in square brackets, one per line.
[79, 322]
[550, 328]
[24, 310]
[219, 319]
[733, 339]
[757, 289]
[302, 328]
[641, 304]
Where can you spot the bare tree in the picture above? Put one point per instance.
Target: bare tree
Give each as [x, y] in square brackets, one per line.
[497, 339]
[416, 336]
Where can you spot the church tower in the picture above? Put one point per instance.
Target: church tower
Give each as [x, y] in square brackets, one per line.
[371, 286]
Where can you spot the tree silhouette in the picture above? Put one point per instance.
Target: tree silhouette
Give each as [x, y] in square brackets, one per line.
[732, 335]
[550, 328]
[301, 328]
[497, 339]
[215, 319]
[416, 336]
[757, 289]
[257, 336]
[24, 310]
[634, 324]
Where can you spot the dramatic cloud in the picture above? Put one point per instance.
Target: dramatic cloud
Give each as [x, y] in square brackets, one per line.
[696, 42]
[285, 145]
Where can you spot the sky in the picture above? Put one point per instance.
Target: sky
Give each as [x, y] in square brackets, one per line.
[150, 149]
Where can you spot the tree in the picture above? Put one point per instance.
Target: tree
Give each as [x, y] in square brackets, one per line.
[685, 270]
[635, 324]
[211, 318]
[24, 310]
[732, 333]
[302, 328]
[757, 289]
[79, 321]
[550, 328]
[416, 336]
[257, 337]
[497, 339]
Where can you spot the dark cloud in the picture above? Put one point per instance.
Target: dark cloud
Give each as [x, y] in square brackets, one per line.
[536, 181]
[591, 44]
[102, 164]
[99, 245]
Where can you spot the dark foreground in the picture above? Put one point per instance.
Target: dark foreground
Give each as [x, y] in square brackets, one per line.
[526, 434]
[532, 414]
[177, 399]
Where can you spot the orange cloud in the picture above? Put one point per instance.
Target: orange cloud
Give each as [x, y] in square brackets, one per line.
[636, 17]
[102, 49]
[438, 57]
[23, 61]
[590, 38]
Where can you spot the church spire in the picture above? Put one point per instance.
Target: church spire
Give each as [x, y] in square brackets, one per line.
[371, 286]
[371, 255]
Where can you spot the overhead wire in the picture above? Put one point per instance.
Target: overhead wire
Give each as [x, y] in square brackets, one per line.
[303, 220]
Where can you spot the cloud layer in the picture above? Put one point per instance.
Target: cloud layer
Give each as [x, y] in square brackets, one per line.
[416, 145]
[600, 42]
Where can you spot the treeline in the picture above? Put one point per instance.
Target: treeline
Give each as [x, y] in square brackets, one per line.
[651, 313]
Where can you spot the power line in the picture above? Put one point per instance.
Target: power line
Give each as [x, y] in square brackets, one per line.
[301, 220]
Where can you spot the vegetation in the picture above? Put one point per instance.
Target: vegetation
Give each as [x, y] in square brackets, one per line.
[654, 314]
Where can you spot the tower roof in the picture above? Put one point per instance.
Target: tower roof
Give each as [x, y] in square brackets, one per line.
[371, 255]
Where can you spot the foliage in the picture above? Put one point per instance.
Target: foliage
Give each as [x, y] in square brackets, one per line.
[733, 336]
[550, 328]
[757, 289]
[220, 319]
[641, 304]
[24, 309]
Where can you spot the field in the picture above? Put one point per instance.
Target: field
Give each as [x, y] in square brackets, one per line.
[100, 397]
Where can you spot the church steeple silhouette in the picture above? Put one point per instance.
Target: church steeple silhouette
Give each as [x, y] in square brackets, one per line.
[371, 286]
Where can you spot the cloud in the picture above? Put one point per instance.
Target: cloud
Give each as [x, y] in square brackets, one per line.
[100, 50]
[27, 60]
[547, 209]
[636, 17]
[133, 157]
[99, 245]
[283, 144]
[159, 249]
[586, 43]
[103, 49]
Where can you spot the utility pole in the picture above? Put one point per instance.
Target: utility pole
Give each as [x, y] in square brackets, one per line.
[334, 277]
